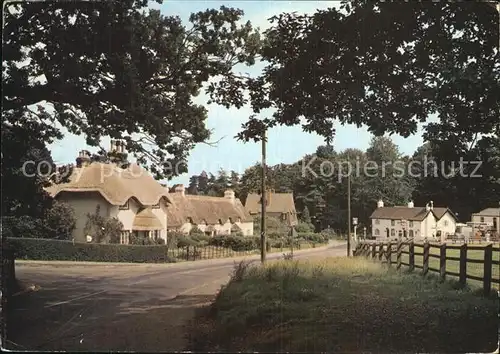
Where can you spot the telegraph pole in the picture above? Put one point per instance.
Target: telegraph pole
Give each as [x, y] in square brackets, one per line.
[348, 209]
[263, 203]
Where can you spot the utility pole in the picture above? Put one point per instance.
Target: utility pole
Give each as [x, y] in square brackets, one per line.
[264, 201]
[349, 209]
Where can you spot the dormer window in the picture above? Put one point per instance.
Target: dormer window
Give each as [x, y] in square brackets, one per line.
[156, 206]
[125, 206]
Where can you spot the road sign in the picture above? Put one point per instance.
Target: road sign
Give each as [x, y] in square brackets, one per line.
[354, 221]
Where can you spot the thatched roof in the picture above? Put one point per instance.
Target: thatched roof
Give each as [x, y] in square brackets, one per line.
[199, 209]
[277, 203]
[115, 184]
[146, 220]
[405, 213]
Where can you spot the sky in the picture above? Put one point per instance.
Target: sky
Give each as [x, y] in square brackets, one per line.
[285, 144]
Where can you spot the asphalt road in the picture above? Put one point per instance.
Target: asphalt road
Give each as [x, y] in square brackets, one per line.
[118, 307]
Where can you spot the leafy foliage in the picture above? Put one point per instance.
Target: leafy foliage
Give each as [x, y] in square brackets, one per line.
[130, 71]
[48, 250]
[60, 221]
[103, 229]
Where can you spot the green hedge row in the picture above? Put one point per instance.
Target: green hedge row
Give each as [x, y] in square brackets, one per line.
[52, 250]
[236, 243]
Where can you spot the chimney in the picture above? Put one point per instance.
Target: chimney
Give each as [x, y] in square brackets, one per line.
[427, 207]
[83, 159]
[410, 204]
[432, 205]
[229, 194]
[180, 189]
[380, 204]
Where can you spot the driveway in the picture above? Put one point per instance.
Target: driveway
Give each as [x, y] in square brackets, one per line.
[118, 307]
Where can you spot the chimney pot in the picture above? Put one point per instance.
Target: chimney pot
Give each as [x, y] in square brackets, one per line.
[180, 189]
[380, 204]
[229, 194]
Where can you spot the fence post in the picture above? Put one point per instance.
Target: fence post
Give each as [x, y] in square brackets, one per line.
[389, 254]
[463, 264]
[411, 256]
[398, 254]
[374, 250]
[380, 251]
[367, 250]
[442, 261]
[425, 267]
[488, 258]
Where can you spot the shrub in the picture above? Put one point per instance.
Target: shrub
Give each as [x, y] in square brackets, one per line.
[236, 243]
[186, 241]
[303, 227]
[103, 229]
[60, 221]
[23, 226]
[195, 231]
[329, 234]
[160, 241]
[273, 225]
[45, 249]
[313, 237]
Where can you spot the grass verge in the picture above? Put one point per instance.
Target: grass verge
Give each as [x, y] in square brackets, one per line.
[343, 305]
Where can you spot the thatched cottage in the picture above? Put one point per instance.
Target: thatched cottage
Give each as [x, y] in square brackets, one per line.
[279, 205]
[212, 215]
[132, 195]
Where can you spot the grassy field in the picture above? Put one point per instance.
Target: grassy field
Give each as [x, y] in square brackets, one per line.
[474, 269]
[343, 305]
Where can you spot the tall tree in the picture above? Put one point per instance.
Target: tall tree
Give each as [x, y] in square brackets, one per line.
[193, 185]
[110, 68]
[388, 66]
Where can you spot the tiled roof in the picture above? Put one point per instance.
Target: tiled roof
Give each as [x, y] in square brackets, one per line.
[405, 213]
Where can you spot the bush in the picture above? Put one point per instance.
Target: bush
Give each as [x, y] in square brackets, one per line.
[103, 229]
[23, 226]
[160, 241]
[60, 221]
[329, 234]
[303, 227]
[236, 243]
[49, 250]
[313, 237]
[186, 241]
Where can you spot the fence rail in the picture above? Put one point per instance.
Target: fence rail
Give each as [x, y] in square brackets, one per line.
[436, 258]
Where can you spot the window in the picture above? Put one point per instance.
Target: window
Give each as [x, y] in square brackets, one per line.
[393, 232]
[411, 223]
[446, 223]
[377, 221]
[283, 216]
[125, 206]
[393, 222]
[400, 233]
[377, 232]
[410, 233]
[494, 223]
[482, 219]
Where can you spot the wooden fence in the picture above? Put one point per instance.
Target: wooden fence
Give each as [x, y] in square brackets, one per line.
[386, 251]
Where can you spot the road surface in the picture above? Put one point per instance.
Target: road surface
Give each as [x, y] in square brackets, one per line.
[118, 307]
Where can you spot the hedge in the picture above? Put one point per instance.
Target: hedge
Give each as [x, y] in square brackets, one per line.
[52, 250]
[236, 243]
